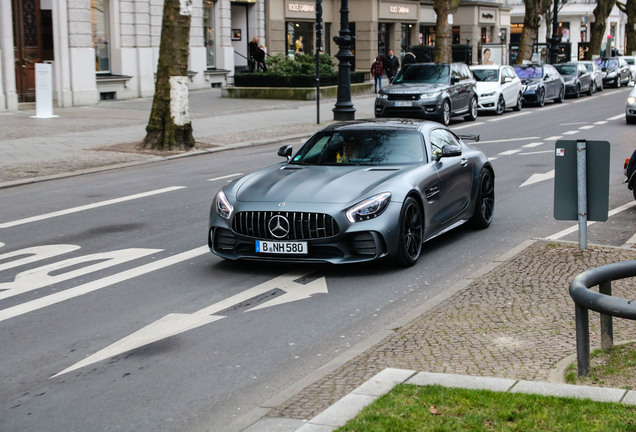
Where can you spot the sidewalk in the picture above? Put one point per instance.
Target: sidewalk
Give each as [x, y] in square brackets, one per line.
[513, 320]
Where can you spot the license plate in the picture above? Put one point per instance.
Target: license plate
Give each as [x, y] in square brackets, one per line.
[403, 104]
[288, 248]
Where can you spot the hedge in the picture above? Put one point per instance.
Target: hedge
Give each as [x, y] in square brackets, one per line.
[259, 79]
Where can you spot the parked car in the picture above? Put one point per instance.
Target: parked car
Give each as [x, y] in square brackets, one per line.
[631, 61]
[437, 91]
[498, 88]
[577, 79]
[630, 173]
[595, 71]
[630, 107]
[541, 82]
[615, 71]
[355, 191]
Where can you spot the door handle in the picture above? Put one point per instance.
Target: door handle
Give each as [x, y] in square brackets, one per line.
[463, 162]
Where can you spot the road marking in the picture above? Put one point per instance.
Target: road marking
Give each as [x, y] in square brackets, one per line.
[616, 117]
[536, 152]
[508, 116]
[534, 144]
[32, 254]
[225, 177]
[509, 152]
[572, 132]
[89, 287]
[506, 140]
[602, 122]
[54, 273]
[572, 124]
[536, 178]
[586, 127]
[176, 323]
[88, 207]
[576, 227]
[553, 138]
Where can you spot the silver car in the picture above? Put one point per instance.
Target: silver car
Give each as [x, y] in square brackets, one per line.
[630, 108]
[595, 71]
[355, 191]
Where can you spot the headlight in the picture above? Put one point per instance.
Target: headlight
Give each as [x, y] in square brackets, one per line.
[429, 95]
[611, 74]
[382, 96]
[369, 208]
[223, 206]
[532, 86]
[492, 93]
[631, 100]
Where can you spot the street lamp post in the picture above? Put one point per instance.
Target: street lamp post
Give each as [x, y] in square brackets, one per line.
[554, 41]
[344, 109]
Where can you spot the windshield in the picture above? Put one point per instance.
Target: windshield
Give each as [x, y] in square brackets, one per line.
[566, 70]
[630, 61]
[423, 74]
[589, 67]
[362, 147]
[486, 75]
[529, 72]
[607, 63]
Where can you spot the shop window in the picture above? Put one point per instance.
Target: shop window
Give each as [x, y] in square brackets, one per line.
[456, 35]
[427, 35]
[300, 37]
[405, 38]
[383, 37]
[101, 35]
[209, 32]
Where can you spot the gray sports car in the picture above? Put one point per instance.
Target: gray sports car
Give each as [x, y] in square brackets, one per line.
[355, 191]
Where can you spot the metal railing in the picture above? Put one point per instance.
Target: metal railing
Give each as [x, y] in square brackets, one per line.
[601, 302]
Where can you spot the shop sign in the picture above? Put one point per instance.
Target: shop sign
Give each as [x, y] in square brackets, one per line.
[395, 10]
[299, 9]
[487, 15]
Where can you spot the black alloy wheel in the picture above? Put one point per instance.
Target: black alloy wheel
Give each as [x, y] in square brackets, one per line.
[501, 106]
[411, 233]
[484, 202]
[541, 97]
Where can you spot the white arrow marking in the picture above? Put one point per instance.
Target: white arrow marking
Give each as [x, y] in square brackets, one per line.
[174, 324]
[536, 178]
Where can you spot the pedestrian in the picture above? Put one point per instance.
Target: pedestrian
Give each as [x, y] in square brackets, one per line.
[252, 49]
[260, 58]
[391, 65]
[377, 70]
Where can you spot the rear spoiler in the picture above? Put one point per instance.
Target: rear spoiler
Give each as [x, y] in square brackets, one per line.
[470, 137]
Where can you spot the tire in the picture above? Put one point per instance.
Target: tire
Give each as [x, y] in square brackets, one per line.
[519, 104]
[501, 106]
[411, 232]
[577, 94]
[484, 201]
[592, 88]
[445, 116]
[630, 120]
[618, 82]
[561, 97]
[472, 110]
[541, 98]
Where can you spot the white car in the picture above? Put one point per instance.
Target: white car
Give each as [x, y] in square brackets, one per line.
[498, 87]
[631, 61]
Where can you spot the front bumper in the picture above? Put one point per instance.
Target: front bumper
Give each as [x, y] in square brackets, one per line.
[531, 96]
[420, 108]
[487, 103]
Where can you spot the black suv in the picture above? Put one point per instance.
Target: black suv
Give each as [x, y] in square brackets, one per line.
[429, 90]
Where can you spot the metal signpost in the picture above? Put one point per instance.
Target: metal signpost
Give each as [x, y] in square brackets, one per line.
[581, 183]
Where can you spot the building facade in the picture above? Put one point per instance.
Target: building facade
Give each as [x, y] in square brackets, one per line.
[108, 49]
[576, 20]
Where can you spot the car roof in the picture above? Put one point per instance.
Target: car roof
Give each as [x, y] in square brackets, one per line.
[386, 124]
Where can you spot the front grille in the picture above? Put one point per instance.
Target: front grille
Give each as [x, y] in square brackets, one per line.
[302, 226]
[403, 97]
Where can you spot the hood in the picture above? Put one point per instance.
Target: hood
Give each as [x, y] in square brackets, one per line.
[413, 88]
[530, 81]
[483, 86]
[316, 184]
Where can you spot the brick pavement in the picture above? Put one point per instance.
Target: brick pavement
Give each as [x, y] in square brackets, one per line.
[516, 321]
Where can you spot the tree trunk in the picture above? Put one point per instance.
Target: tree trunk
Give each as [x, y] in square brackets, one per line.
[444, 31]
[629, 8]
[169, 126]
[601, 12]
[531, 22]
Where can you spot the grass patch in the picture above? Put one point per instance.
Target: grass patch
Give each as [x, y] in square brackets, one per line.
[615, 367]
[441, 409]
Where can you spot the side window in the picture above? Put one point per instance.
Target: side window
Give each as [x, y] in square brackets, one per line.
[441, 137]
[454, 72]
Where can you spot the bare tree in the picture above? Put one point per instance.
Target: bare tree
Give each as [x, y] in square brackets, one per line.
[444, 31]
[601, 12]
[169, 126]
[629, 8]
[531, 21]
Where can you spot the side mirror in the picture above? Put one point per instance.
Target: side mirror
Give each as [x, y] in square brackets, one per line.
[285, 151]
[450, 151]
[454, 80]
[506, 80]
